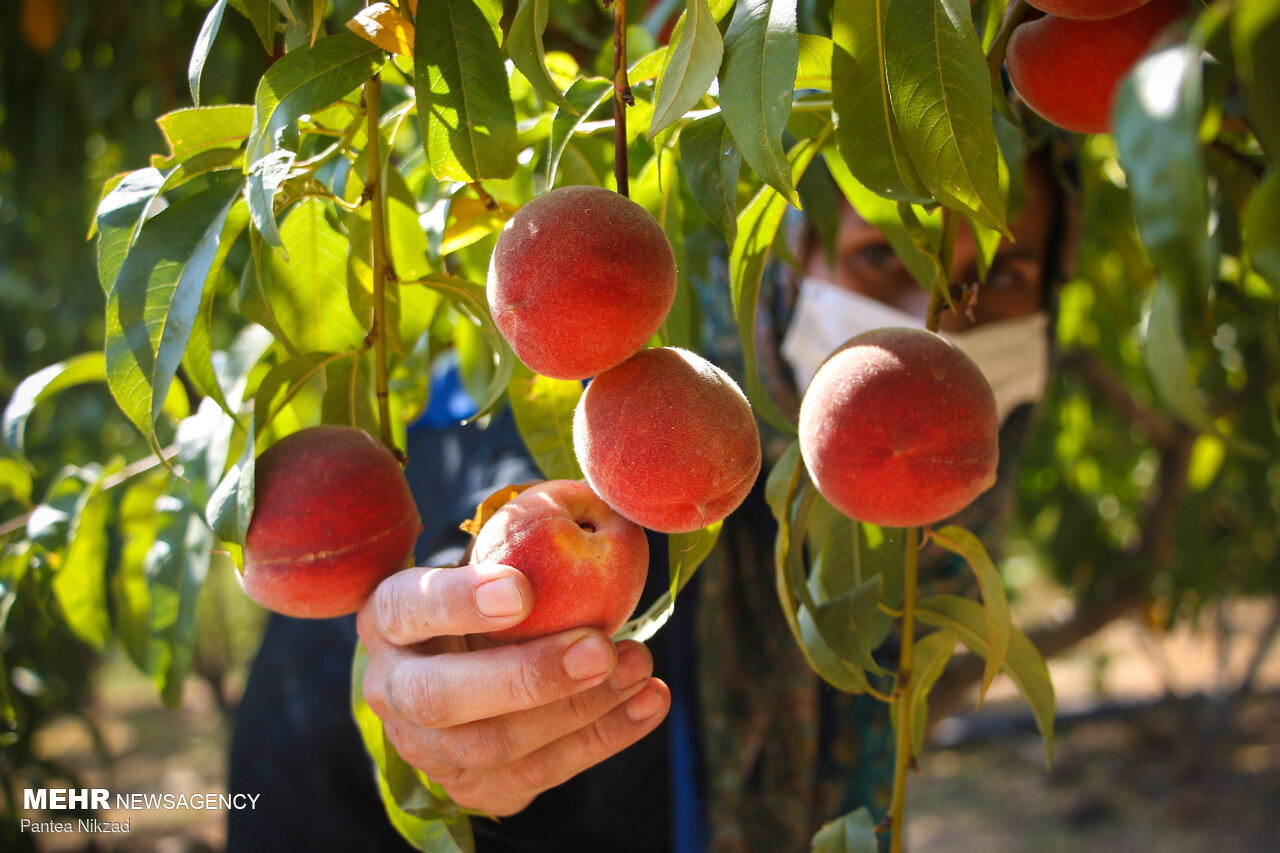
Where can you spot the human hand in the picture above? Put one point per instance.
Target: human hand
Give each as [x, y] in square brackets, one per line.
[497, 725]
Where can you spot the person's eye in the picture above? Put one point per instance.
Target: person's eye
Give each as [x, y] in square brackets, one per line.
[878, 257]
[1005, 278]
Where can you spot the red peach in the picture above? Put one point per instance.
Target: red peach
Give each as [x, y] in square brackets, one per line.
[668, 440]
[899, 428]
[332, 517]
[579, 280]
[1068, 71]
[1086, 10]
[587, 564]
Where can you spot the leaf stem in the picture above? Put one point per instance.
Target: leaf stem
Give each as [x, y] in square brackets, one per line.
[941, 294]
[621, 96]
[373, 188]
[904, 725]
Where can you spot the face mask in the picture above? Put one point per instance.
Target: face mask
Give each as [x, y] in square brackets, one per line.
[1012, 354]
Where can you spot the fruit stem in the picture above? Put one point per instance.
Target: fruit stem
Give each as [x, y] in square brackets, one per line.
[904, 725]
[941, 295]
[377, 224]
[621, 96]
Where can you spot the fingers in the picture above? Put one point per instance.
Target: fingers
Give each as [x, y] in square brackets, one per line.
[419, 604]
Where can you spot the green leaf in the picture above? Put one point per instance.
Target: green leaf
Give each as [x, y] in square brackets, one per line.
[1023, 664]
[543, 409]
[940, 88]
[1262, 228]
[959, 541]
[80, 586]
[15, 480]
[198, 359]
[867, 133]
[813, 68]
[585, 95]
[263, 16]
[45, 384]
[692, 63]
[230, 506]
[525, 48]
[711, 160]
[685, 553]
[286, 382]
[266, 176]
[1255, 36]
[1157, 118]
[200, 53]
[758, 225]
[470, 298]
[136, 522]
[761, 55]
[117, 218]
[196, 130]
[157, 295]
[304, 81]
[928, 660]
[307, 291]
[854, 832]
[465, 112]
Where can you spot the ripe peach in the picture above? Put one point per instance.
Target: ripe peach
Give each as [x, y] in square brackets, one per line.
[899, 428]
[1068, 71]
[1086, 10]
[580, 279]
[668, 440]
[586, 564]
[332, 517]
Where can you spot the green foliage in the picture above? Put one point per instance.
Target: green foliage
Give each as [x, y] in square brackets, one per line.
[306, 251]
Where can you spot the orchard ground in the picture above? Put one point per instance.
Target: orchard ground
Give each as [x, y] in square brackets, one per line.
[1134, 769]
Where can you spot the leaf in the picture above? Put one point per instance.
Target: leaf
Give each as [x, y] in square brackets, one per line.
[959, 541]
[308, 291]
[1023, 664]
[15, 480]
[383, 24]
[1255, 32]
[940, 88]
[867, 133]
[813, 68]
[45, 384]
[928, 660]
[584, 96]
[153, 305]
[1262, 228]
[265, 179]
[263, 16]
[193, 131]
[465, 113]
[711, 161]
[693, 61]
[204, 41]
[758, 225]
[685, 553]
[761, 55]
[524, 47]
[285, 382]
[137, 523]
[117, 218]
[543, 409]
[80, 586]
[230, 506]
[854, 832]
[1157, 118]
[303, 81]
[198, 359]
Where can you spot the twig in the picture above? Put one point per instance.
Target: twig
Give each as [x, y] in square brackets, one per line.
[621, 95]
[372, 97]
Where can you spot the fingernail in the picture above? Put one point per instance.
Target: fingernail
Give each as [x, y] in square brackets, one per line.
[644, 705]
[588, 657]
[499, 597]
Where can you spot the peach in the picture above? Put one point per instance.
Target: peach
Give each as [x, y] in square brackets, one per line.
[587, 564]
[1086, 10]
[579, 280]
[899, 428]
[332, 517]
[668, 440]
[1068, 71]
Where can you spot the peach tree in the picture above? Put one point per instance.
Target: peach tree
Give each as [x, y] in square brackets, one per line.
[315, 255]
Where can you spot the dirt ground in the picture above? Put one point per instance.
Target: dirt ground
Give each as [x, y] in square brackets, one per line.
[1144, 762]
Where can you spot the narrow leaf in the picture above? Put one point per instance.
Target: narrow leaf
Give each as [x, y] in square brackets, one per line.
[761, 54]
[543, 409]
[465, 112]
[685, 553]
[712, 160]
[1262, 229]
[940, 88]
[383, 25]
[854, 832]
[204, 41]
[524, 47]
[959, 541]
[694, 60]
[80, 586]
[1255, 32]
[469, 298]
[117, 219]
[44, 384]
[584, 96]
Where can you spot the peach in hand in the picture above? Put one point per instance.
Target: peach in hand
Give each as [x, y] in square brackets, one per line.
[586, 564]
[579, 280]
[899, 428]
[668, 440]
[332, 517]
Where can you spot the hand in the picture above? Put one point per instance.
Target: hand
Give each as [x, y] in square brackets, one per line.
[497, 725]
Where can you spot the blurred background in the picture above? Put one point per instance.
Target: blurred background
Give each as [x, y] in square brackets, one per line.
[1144, 560]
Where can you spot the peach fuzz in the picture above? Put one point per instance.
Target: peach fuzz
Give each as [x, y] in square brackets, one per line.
[586, 564]
[1086, 10]
[1068, 71]
[579, 280]
[332, 517]
[899, 428]
[668, 440]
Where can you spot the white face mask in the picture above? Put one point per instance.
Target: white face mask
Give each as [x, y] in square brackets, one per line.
[1012, 354]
